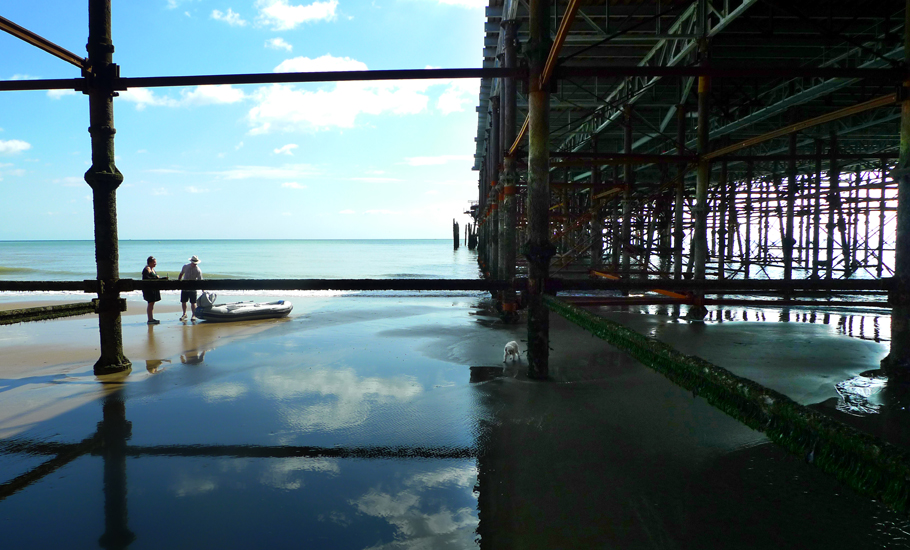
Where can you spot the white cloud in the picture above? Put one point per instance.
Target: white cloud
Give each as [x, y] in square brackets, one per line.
[212, 95]
[369, 179]
[425, 522]
[284, 108]
[472, 4]
[194, 189]
[286, 172]
[57, 94]
[440, 159]
[286, 149]
[71, 181]
[227, 391]
[200, 95]
[293, 185]
[143, 97]
[320, 64]
[23, 77]
[13, 146]
[382, 212]
[230, 17]
[278, 44]
[280, 15]
[284, 473]
[460, 93]
[353, 397]
[160, 191]
[337, 105]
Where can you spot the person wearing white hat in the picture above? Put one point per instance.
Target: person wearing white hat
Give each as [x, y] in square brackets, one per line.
[190, 272]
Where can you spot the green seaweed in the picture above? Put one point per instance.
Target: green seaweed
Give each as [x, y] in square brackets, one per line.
[864, 462]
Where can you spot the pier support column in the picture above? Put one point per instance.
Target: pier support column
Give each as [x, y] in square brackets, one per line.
[678, 205]
[626, 239]
[509, 177]
[698, 311]
[789, 240]
[538, 249]
[597, 218]
[897, 363]
[104, 178]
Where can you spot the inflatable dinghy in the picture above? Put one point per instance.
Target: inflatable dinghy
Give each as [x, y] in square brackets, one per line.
[207, 310]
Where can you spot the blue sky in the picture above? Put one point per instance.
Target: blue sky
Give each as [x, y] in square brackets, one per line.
[310, 161]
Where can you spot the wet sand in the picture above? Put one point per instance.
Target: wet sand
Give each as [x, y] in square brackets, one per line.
[391, 422]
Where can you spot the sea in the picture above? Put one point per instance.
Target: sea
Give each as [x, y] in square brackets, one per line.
[66, 260]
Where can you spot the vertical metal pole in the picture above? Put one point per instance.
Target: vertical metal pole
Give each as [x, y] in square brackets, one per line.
[817, 210]
[881, 220]
[597, 219]
[789, 241]
[700, 211]
[833, 200]
[538, 249]
[495, 160]
[747, 249]
[509, 176]
[627, 192]
[678, 233]
[104, 178]
[615, 234]
[897, 363]
[722, 225]
[866, 215]
[732, 220]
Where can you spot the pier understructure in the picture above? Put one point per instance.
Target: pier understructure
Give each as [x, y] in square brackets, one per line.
[696, 148]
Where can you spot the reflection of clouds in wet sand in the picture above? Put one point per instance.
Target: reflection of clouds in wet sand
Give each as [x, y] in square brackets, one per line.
[187, 487]
[353, 396]
[228, 391]
[416, 528]
[285, 473]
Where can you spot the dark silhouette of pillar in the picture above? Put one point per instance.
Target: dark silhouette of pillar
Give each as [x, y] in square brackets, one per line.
[509, 178]
[700, 211]
[897, 363]
[538, 249]
[104, 178]
[679, 204]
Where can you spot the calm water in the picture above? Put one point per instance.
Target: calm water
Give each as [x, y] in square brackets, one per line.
[244, 259]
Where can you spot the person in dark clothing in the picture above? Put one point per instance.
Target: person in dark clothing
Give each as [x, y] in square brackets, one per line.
[151, 296]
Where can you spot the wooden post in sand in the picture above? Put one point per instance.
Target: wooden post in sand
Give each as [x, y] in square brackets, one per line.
[538, 249]
[104, 178]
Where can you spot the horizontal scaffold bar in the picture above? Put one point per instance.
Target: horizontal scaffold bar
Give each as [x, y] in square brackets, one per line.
[552, 285]
[124, 83]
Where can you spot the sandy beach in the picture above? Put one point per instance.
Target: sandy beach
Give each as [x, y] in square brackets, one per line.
[392, 422]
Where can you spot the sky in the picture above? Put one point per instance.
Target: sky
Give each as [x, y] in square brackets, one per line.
[351, 160]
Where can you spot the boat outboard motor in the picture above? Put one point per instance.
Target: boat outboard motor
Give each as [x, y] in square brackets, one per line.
[207, 299]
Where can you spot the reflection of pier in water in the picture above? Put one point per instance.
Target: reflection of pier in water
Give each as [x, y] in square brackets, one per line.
[110, 442]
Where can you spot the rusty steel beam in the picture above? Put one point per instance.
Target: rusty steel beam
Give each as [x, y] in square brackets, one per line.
[892, 75]
[567, 19]
[518, 139]
[42, 43]
[840, 113]
[592, 159]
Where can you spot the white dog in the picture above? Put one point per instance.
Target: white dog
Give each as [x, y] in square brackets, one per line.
[511, 352]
